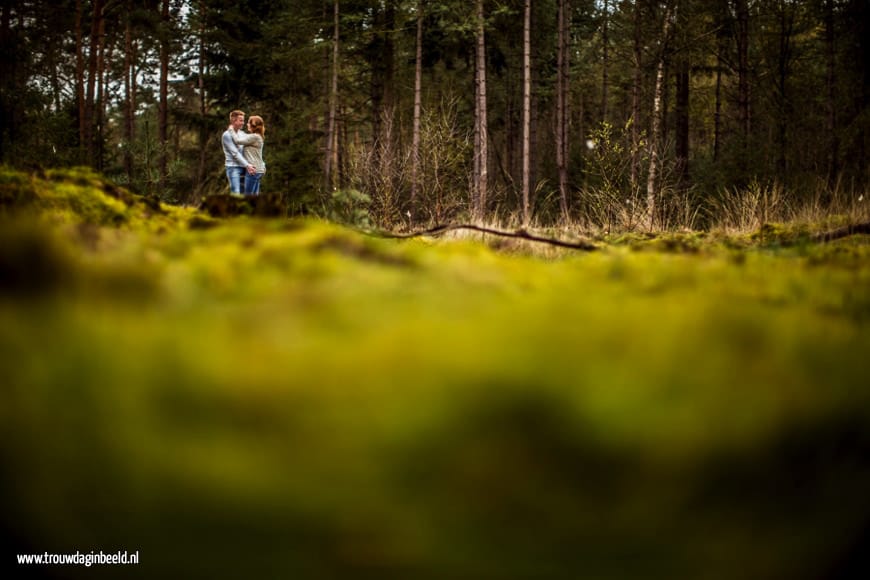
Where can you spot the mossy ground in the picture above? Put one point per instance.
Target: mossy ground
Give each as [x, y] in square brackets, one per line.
[292, 399]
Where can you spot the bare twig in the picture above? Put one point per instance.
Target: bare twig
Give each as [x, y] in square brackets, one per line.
[519, 234]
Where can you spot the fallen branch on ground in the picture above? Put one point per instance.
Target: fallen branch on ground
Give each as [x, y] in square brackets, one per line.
[846, 231]
[518, 234]
[843, 232]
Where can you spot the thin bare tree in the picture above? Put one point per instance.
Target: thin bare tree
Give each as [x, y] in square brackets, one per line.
[129, 90]
[562, 92]
[103, 60]
[831, 54]
[722, 41]
[481, 134]
[605, 59]
[527, 105]
[163, 103]
[743, 87]
[656, 129]
[418, 101]
[80, 76]
[203, 103]
[331, 161]
[635, 98]
[90, 84]
[681, 108]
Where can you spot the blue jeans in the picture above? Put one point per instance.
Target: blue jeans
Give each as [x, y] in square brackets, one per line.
[252, 183]
[236, 177]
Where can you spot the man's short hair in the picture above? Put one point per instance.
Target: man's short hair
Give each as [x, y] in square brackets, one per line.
[236, 114]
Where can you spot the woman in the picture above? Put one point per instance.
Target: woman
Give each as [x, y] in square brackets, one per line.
[253, 142]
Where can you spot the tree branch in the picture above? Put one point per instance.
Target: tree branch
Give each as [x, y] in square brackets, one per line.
[518, 234]
[862, 228]
[843, 232]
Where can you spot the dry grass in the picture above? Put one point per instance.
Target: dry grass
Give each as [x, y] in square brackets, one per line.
[745, 210]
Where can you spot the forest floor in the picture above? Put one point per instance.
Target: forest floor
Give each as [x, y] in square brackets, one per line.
[290, 398]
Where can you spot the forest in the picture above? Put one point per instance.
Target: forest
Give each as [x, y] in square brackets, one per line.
[602, 114]
[545, 290]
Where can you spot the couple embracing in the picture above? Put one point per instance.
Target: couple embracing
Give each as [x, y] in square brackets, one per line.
[244, 153]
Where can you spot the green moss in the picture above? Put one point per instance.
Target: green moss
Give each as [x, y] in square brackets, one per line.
[672, 242]
[318, 403]
[78, 195]
[16, 190]
[629, 239]
[772, 235]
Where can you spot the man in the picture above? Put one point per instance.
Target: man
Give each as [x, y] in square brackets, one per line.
[235, 163]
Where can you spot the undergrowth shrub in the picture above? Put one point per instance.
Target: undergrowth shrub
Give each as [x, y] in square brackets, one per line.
[611, 200]
[445, 162]
[348, 206]
[381, 175]
[381, 171]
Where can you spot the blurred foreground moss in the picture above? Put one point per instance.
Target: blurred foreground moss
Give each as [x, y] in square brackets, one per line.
[274, 399]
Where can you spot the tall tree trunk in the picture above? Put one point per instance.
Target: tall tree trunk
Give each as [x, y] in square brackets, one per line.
[129, 100]
[743, 89]
[80, 79]
[786, 30]
[527, 103]
[203, 103]
[388, 136]
[90, 90]
[682, 102]
[380, 58]
[99, 105]
[721, 47]
[834, 144]
[655, 132]
[605, 61]
[654, 145]
[635, 99]
[418, 103]
[389, 55]
[331, 133]
[52, 57]
[562, 114]
[163, 105]
[481, 133]
[862, 155]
